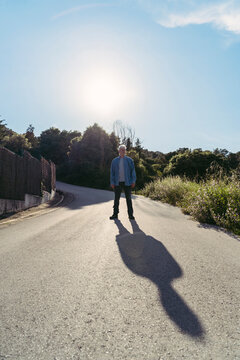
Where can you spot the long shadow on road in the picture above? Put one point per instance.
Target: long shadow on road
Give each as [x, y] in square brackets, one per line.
[148, 257]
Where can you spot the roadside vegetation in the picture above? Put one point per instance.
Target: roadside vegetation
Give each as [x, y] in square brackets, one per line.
[204, 183]
[215, 200]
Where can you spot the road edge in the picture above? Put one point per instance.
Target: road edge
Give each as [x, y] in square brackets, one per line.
[34, 211]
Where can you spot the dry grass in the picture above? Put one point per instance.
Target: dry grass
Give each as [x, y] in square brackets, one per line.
[215, 201]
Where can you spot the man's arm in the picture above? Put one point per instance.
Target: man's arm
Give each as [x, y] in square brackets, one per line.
[133, 175]
[112, 173]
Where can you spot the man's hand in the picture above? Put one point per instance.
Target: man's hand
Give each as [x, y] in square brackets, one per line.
[133, 185]
[112, 186]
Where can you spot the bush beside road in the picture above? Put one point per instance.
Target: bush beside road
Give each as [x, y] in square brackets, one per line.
[213, 201]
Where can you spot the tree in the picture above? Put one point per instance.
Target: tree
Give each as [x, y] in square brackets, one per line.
[138, 146]
[115, 143]
[33, 141]
[74, 149]
[50, 145]
[128, 144]
[124, 132]
[16, 143]
[95, 147]
[54, 144]
[3, 129]
[192, 164]
[233, 160]
[90, 157]
[223, 152]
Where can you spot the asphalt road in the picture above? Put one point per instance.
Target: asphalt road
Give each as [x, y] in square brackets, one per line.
[76, 285]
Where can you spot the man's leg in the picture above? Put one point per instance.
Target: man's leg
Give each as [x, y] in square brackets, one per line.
[127, 190]
[117, 192]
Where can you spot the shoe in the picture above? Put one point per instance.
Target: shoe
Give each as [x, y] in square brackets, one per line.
[131, 217]
[113, 217]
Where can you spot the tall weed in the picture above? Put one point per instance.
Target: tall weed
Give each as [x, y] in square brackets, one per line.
[215, 201]
[171, 190]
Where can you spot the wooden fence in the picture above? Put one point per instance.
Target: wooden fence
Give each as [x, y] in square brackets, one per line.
[20, 175]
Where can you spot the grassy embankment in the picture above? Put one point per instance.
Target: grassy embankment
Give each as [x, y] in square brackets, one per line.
[214, 201]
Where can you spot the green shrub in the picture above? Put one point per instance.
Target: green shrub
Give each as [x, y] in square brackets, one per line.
[171, 190]
[215, 201]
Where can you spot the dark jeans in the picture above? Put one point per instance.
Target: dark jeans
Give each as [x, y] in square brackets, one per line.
[117, 191]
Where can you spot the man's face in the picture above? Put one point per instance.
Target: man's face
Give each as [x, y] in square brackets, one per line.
[122, 152]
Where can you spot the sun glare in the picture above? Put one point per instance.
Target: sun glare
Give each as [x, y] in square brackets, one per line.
[104, 91]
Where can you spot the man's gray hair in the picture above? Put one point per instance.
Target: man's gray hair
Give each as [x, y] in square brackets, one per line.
[122, 147]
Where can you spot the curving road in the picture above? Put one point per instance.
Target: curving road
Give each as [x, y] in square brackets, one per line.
[76, 285]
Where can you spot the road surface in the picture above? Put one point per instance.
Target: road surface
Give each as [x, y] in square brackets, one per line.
[76, 285]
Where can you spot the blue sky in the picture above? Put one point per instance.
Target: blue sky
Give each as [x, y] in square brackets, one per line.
[169, 69]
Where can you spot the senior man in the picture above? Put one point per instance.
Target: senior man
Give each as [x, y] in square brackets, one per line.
[123, 177]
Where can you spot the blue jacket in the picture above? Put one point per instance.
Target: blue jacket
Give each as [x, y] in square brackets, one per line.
[129, 171]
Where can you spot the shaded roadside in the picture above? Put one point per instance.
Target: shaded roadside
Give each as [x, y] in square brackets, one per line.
[67, 196]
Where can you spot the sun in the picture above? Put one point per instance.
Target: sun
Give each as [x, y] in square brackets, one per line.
[105, 91]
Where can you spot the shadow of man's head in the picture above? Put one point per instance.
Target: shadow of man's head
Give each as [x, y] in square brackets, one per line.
[147, 257]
